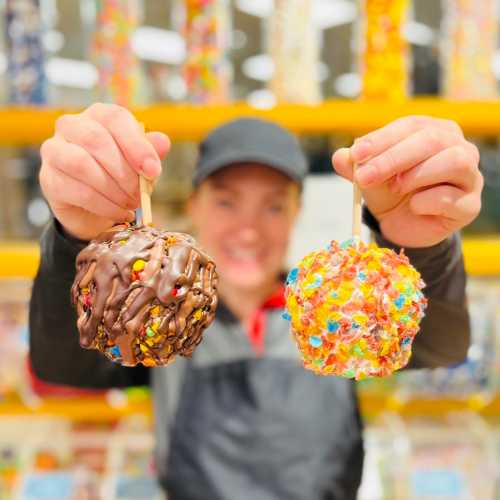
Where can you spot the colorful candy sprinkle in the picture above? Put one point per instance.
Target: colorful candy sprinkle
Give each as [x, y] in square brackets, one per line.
[354, 309]
[138, 265]
[115, 351]
[315, 341]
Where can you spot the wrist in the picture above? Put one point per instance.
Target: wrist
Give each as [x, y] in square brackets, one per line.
[383, 240]
[83, 231]
[69, 236]
[370, 220]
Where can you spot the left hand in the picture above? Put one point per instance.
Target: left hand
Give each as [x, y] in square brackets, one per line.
[419, 177]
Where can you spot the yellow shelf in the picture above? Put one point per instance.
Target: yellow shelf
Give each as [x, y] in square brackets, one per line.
[97, 409]
[481, 258]
[81, 409]
[23, 126]
[373, 405]
[19, 259]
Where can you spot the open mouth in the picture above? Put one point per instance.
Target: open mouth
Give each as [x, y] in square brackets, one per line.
[244, 256]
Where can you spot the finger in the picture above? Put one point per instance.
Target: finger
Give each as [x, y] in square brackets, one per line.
[411, 151]
[160, 142]
[67, 190]
[455, 166]
[129, 136]
[342, 163]
[77, 163]
[378, 141]
[95, 138]
[447, 201]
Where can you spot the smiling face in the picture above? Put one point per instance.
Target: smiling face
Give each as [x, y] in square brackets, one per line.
[243, 216]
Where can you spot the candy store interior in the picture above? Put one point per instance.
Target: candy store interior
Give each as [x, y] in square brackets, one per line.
[327, 70]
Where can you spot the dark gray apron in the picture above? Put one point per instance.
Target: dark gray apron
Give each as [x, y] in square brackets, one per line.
[264, 429]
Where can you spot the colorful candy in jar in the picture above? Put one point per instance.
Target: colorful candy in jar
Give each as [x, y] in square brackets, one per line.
[117, 65]
[293, 40]
[207, 33]
[26, 80]
[469, 49]
[385, 58]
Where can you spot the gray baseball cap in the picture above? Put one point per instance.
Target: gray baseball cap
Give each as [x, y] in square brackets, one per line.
[250, 140]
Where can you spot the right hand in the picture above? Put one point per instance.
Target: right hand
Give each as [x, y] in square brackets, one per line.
[90, 168]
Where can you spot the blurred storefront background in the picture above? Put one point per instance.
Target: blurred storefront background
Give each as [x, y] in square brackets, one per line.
[329, 70]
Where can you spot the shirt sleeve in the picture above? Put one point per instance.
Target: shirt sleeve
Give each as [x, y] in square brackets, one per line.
[55, 352]
[444, 337]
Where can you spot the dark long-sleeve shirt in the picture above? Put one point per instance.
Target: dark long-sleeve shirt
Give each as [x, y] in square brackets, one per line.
[57, 357]
[233, 424]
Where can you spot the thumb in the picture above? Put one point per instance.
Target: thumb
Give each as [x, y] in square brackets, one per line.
[160, 142]
[342, 163]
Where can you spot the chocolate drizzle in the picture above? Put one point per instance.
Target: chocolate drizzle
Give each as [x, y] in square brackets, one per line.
[143, 295]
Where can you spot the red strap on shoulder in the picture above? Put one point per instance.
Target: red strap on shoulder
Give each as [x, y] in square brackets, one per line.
[257, 325]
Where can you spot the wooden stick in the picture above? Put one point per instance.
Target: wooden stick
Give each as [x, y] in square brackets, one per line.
[146, 189]
[356, 207]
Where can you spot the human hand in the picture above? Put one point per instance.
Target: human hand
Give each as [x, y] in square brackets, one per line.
[90, 168]
[419, 177]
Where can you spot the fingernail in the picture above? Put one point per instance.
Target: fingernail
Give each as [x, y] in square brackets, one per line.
[361, 150]
[166, 141]
[151, 167]
[344, 153]
[366, 175]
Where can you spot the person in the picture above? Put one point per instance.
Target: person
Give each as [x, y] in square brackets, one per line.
[242, 419]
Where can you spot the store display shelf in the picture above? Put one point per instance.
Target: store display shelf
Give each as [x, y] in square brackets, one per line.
[374, 404]
[481, 258]
[19, 259]
[98, 409]
[78, 409]
[23, 126]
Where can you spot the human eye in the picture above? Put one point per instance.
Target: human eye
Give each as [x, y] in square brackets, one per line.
[276, 208]
[224, 203]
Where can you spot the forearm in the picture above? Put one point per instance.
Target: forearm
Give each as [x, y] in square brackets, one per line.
[56, 355]
[445, 331]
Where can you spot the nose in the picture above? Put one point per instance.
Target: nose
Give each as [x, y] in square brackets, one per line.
[249, 225]
[249, 234]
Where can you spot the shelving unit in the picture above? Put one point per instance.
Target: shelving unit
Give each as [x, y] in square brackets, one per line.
[182, 122]
[20, 259]
[98, 409]
[80, 409]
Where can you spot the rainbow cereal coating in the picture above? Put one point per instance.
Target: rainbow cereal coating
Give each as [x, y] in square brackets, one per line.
[354, 309]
